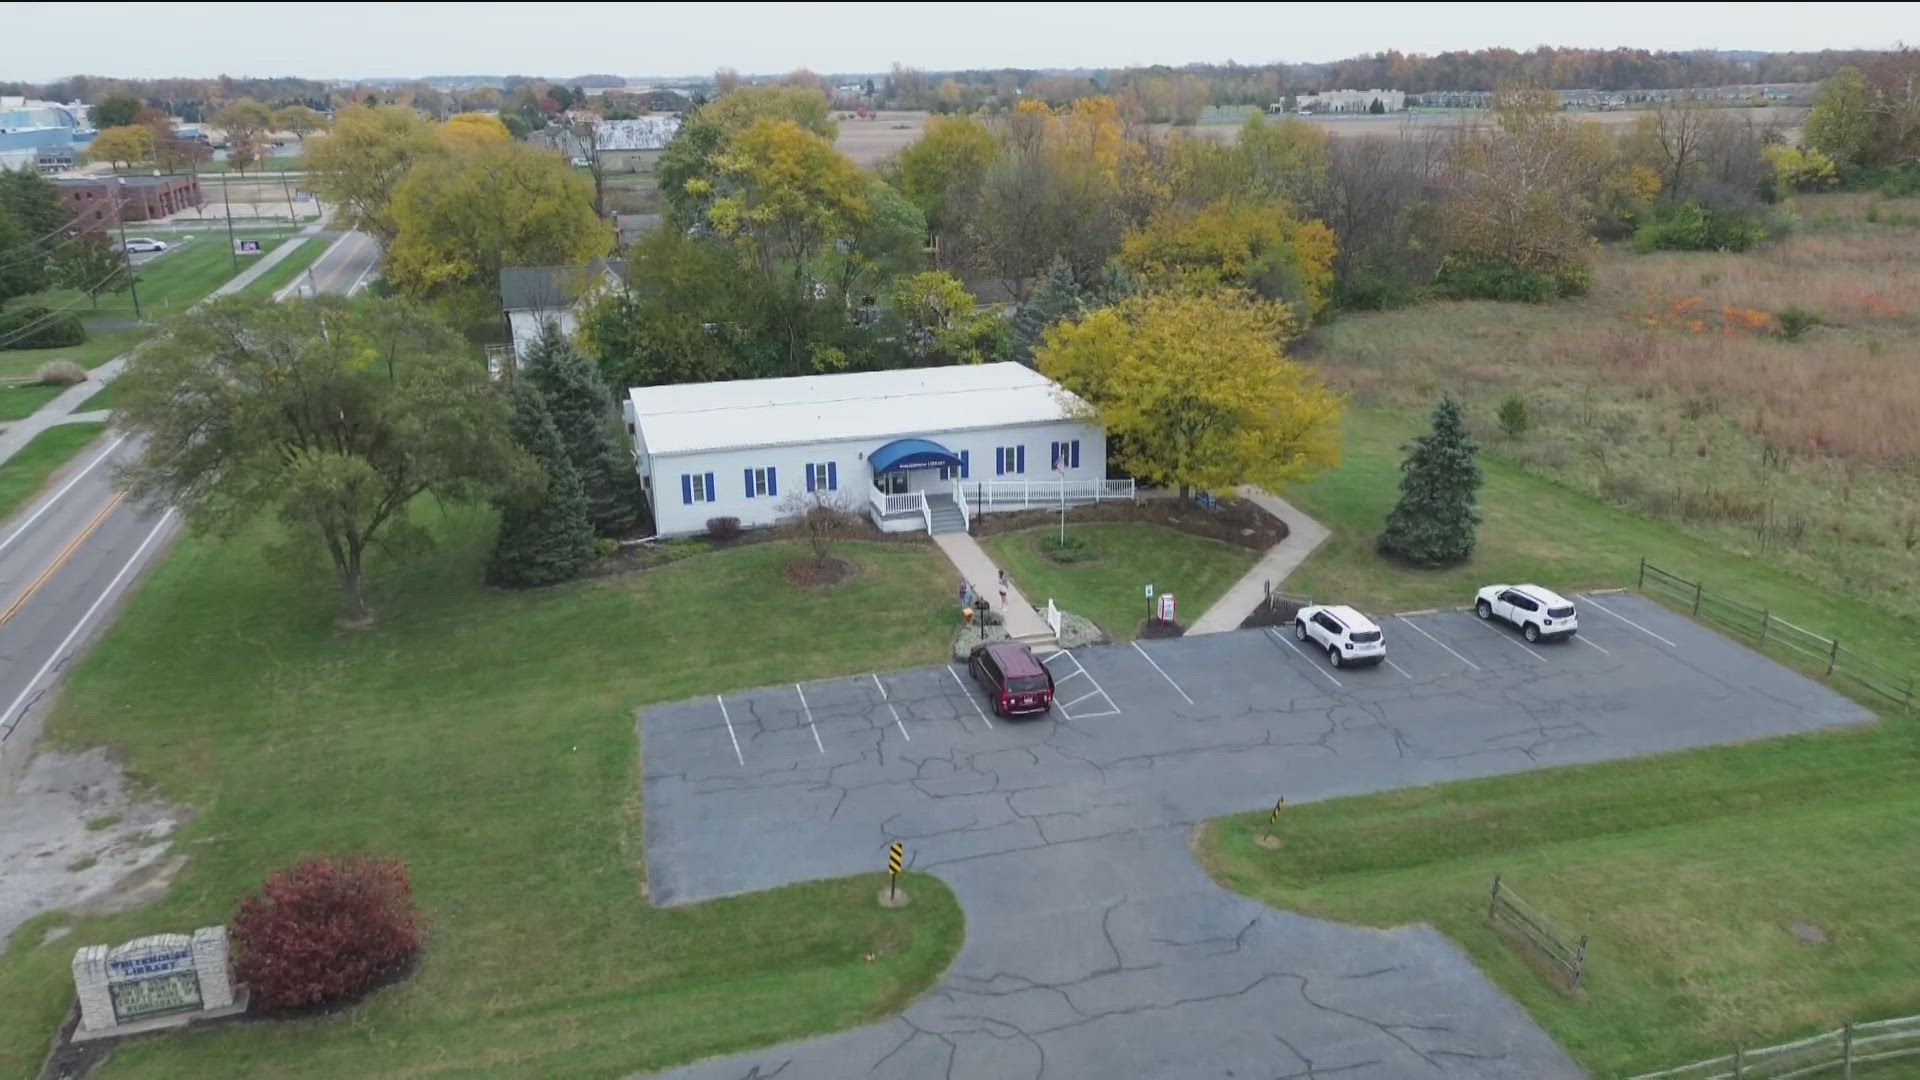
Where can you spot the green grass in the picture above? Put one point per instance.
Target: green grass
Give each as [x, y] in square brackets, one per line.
[487, 739]
[1687, 871]
[168, 285]
[26, 472]
[1109, 587]
[282, 273]
[100, 347]
[101, 399]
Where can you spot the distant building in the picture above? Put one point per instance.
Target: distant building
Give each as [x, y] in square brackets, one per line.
[623, 146]
[101, 202]
[41, 134]
[533, 296]
[1349, 101]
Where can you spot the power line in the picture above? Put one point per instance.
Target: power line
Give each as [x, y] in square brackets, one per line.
[22, 331]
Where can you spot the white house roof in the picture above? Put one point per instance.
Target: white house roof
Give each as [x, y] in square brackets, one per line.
[878, 405]
[643, 133]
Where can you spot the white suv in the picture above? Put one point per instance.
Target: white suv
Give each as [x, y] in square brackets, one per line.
[1348, 636]
[1539, 613]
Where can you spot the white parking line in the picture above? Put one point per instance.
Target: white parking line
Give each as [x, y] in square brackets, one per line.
[890, 708]
[968, 694]
[1590, 644]
[809, 709]
[1282, 639]
[1396, 667]
[1081, 698]
[1438, 642]
[1504, 636]
[730, 734]
[1162, 671]
[1589, 599]
[1080, 669]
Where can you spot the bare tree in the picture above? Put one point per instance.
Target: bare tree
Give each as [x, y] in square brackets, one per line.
[820, 519]
[590, 133]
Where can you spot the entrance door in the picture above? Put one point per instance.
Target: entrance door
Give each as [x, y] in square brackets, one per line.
[893, 483]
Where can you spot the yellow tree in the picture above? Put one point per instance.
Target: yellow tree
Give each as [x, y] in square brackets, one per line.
[1195, 391]
[1256, 246]
[781, 192]
[471, 131]
[247, 123]
[357, 164]
[947, 162]
[128, 144]
[461, 218]
[686, 169]
[298, 121]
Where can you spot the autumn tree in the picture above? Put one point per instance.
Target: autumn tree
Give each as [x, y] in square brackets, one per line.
[1194, 390]
[460, 219]
[247, 124]
[299, 121]
[584, 417]
[545, 534]
[944, 322]
[124, 146]
[357, 164]
[1841, 123]
[473, 131]
[335, 414]
[944, 166]
[687, 167]
[1258, 247]
[1433, 523]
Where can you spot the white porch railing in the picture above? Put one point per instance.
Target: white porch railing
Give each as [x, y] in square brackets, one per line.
[1052, 615]
[1009, 494]
[912, 502]
[960, 500]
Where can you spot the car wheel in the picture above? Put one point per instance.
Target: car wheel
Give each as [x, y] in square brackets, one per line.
[1530, 632]
[1300, 630]
[1333, 655]
[1483, 609]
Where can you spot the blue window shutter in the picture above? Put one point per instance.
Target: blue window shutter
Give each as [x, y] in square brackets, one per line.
[965, 464]
[833, 476]
[809, 477]
[709, 487]
[999, 461]
[773, 488]
[686, 488]
[1076, 454]
[749, 483]
[1020, 458]
[1054, 456]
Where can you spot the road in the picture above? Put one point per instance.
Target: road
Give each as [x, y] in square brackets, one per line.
[71, 555]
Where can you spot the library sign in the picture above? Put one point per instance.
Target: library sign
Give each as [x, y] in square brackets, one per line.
[152, 978]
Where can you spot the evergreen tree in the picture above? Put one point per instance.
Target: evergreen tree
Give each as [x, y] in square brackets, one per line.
[1434, 521]
[581, 407]
[1057, 298]
[545, 535]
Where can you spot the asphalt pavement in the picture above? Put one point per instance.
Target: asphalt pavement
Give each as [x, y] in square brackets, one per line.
[1095, 946]
[71, 555]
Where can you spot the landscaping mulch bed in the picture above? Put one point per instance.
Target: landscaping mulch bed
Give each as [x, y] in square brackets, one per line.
[1279, 613]
[817, 573]
[1233, 521]
[1154, 628]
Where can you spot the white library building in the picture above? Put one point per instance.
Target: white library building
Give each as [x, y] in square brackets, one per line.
[916, 448]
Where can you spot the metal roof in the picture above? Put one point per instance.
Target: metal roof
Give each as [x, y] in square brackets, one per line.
[645, 133]
[533, 288]
[879, 405]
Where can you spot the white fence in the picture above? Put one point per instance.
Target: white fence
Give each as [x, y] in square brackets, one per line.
[1015, 494]
[1837, 1050]
[960, 500]
[913, 502]
[1052, 616]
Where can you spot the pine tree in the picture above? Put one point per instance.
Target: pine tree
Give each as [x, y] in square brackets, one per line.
[1057, 298]
[545, 536]
[581, 406]
[1434, 521]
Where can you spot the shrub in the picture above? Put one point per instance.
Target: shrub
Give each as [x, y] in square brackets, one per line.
[606, 547]
[325, 930]
[1796, 321]
[1071, 549]
[1372, 291]
[1479, 277]
[38, 327]
[1693, 226]
[1512, 415]
[60, 373]
[723, 528]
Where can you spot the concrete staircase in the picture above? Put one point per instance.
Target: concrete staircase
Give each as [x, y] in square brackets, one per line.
[946, 514]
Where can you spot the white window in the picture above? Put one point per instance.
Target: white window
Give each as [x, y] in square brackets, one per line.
[696, 487]
[1066, 455]
[1009, 460]
[823, 476]
[761, 483]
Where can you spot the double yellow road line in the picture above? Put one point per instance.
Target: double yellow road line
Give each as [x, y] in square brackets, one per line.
[61, 559]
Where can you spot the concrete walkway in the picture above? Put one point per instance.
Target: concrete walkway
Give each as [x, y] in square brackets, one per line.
[1303, 535]
[1023, 622]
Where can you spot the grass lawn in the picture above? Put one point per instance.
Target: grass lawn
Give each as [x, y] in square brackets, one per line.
[100, 347]
[101, 399]
[168, 285]
[26, 472]
[1109, 587]
[1688, 871]
[280, 274]
[487, 738]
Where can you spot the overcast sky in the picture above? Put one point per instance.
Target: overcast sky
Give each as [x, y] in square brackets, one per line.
[347, 41]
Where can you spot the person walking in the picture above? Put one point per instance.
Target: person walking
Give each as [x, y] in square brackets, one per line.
[1003, 591]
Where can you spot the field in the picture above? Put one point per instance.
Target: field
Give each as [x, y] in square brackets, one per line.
[1669, 390]
[1108, 586]
[488, 739]
[27, 470]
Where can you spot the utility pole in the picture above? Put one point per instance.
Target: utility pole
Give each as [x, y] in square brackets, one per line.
[126, 257]
[226, 196]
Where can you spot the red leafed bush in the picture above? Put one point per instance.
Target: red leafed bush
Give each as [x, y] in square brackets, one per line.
[325, 930]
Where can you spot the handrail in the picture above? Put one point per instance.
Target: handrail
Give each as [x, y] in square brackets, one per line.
[960, 500]
[926, 512]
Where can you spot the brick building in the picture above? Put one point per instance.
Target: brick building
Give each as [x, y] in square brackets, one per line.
[140, 198]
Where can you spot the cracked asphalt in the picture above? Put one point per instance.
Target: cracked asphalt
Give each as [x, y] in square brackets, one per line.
[1095, 945]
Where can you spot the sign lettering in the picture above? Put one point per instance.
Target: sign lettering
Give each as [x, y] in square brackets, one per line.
[150, 997]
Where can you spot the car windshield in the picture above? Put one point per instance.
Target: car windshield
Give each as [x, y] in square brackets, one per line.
[1366, 635]
[1562, 612]
[1026, 684]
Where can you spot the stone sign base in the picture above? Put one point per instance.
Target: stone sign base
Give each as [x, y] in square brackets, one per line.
[162, 1023]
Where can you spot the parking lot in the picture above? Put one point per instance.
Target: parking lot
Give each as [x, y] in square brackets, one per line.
[759, 788]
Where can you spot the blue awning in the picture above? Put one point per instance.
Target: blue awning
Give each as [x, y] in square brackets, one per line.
[912, 454]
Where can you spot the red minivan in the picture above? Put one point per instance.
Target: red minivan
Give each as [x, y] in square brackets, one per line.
[1015, 679]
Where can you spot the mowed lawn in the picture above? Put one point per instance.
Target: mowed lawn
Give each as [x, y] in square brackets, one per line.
[488, 740]
[282, 273]
[26, 472]
[1110, 587]
[1688, 871]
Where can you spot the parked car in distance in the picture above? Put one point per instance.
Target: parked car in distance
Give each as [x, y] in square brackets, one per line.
[1539, 613]
[141, 244]
[1348, 636]
[1015, 680]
